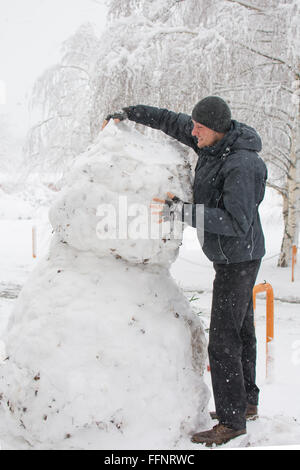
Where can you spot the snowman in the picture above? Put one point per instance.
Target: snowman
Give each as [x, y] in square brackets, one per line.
[103, 349]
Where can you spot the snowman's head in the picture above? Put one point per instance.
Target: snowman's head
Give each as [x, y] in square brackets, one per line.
[105, 207]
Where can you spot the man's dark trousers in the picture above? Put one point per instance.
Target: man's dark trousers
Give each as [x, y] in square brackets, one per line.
[232, 342]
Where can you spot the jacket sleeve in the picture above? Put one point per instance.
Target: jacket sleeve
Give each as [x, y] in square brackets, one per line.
[179, 126]
[241, 196]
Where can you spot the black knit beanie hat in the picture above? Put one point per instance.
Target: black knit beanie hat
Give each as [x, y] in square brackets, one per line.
[214, 113]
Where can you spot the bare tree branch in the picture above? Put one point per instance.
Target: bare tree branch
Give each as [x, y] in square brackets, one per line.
[279, 189]
[75, 67]
[277, 60]
[246, 5]
[43, 123]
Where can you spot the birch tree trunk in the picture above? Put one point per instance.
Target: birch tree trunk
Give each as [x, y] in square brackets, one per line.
[297, 98]
[291, 202]
[290, 221]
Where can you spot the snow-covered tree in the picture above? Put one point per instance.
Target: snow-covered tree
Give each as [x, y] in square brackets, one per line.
[10, 151]
[141, 60]
[264, 85]
[61, 102]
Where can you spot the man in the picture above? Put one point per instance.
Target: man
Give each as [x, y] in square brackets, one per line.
[230, 180]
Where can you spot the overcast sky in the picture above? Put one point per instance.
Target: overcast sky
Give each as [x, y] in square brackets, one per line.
[31, 32]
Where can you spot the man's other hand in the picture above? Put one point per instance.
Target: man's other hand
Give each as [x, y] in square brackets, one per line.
[168, 209]
[117, 117]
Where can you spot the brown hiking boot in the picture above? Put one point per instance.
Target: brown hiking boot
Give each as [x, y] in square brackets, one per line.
[218, 435]
[251, 413]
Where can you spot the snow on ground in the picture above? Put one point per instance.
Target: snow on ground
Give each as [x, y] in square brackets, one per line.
[279, 422]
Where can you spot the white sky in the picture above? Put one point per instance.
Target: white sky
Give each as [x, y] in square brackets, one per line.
[31, 32]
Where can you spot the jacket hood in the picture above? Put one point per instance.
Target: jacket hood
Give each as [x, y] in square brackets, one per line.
[240, 137]
[247, 138]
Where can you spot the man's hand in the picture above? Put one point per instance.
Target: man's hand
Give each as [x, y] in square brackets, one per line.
[117, 117]
[169, 209]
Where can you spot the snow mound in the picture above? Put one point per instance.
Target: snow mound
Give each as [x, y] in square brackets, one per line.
[103, 350]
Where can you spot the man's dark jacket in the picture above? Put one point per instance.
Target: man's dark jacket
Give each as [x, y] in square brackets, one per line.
[230, 181]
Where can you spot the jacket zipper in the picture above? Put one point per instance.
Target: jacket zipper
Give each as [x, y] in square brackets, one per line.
[252, 239]
[219, 236]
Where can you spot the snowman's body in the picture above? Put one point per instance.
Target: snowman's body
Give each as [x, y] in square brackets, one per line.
[103, 348]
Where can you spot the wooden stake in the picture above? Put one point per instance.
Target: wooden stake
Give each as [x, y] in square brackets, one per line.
[34, 242]
[294, 261]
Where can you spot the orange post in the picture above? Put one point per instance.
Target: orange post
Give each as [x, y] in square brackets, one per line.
[270, 318]
[294, 261]
[34, 242]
